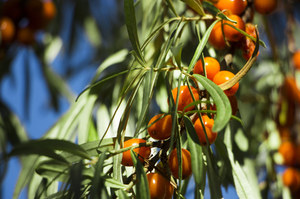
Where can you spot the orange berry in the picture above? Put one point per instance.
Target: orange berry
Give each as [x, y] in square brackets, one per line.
[7, 29]
[222, 77]
[142, 152]
[296, 59]
[265, 6]
[288, 151]
[49, 10]
[290, 89]
[159, 186]
[230, 33]
[162, 128]
[208, 124]
[212, 67]
[236, 7]
[291, 179]
[185, 97]
[26, 36]
[185, 160]
[216, 38]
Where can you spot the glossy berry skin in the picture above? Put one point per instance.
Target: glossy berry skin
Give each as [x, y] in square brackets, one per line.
[291, 179]
[185, 97]
[230, 33]
[212, 67]
[159, 186]
[186, 163]
[162, 128]
[7, 29]
[208, 124]
[222, 77]
[296, 60]
[265, 7]
[287, 150]
[216, 38]
[236, 7]
[142, 152]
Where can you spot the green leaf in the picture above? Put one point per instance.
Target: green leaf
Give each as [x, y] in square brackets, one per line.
[130, 21]
[201, 46]
[213, 177]
[48, 147]
[195, 5]
[177, 54]
[142, 187]
[220, 99]
[195, 148]
[242, 185]
[54, 170]
[98, 188]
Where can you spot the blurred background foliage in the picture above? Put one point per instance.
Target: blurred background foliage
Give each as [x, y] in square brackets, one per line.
[86, 43]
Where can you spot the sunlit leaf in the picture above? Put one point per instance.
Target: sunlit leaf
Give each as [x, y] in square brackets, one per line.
[221, 101]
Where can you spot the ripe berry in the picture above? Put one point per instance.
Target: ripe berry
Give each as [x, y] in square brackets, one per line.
[287, 150]
[296, 59]
[224, 76]
[230, 33]
[236, 7]
[212, 67]
[265, 6]
[208, 124]
[7, 29]
[185, 97]
[185, 160]
[159, 186]
[291, 179]
[161, 128]
[216, 38]
[142, 152]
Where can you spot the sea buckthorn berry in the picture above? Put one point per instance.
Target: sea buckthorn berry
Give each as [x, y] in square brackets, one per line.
[160, 129]
[7, 29]
[236, 7]
[290, 89]
[296, 59]
[222, 77]
[159, 186]
[26, 36]
[185, 97]
[291, 179]
[185, 160]
[208, 124]
[230, 33]
[142, 152]
[216, 38]
[288, 152]
[212, 67]
[265, 6]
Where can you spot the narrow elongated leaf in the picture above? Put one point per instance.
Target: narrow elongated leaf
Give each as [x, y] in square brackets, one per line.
[195, 5]
[195, 148]
[242, 185]
[130, 21]
[201, 46]
[142, 187]
[213, 177]
[98, 189]
[220, 99]
[48, 147]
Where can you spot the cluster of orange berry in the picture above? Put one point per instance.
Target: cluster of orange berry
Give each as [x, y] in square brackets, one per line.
[20, 19]
[289, 148]
[223, 34]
